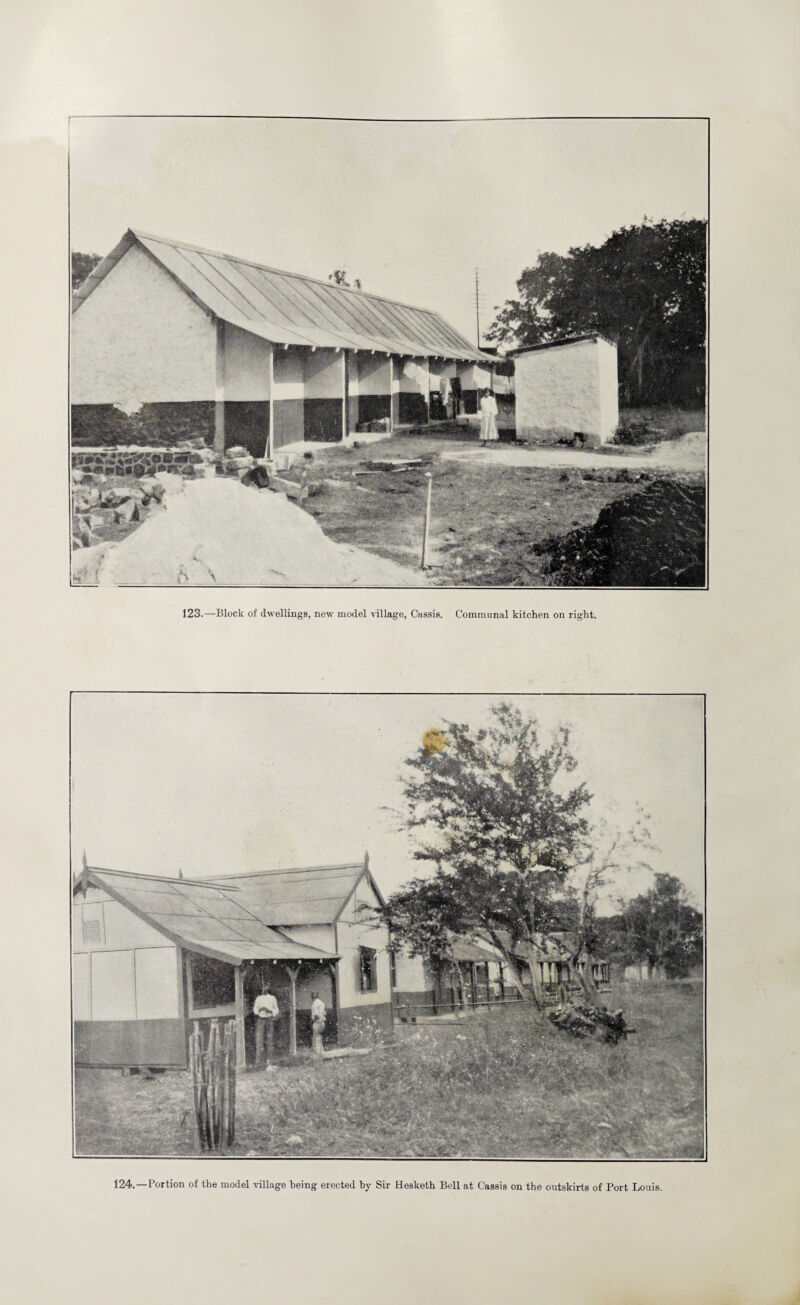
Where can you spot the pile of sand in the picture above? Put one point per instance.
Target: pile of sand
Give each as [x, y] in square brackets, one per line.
[688, 453]
[220, 532]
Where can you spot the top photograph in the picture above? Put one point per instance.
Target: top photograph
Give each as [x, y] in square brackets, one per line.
[388, 354]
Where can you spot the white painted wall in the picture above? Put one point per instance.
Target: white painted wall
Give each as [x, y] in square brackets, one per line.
[140, 338]
[324, 374]
[411, 375]
[567, 389]
[289, 373]
[354, 930]
[130, 972]
[246, 365]
[410, 973]
[371, 375]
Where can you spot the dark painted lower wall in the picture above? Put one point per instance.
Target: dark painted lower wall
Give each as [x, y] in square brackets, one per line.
[372, 407]
[412, 410]
[408, 1003]
[364, 1023]
[352, 412]
[247, 423]
[469, 399]
[287, 415]
[120, 1043]
[154, 424]
[323, 420]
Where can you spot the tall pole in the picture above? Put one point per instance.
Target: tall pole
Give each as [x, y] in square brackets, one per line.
[427, 526]
[477, 310]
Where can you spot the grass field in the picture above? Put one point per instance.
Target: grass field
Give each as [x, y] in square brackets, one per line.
[502, 1083]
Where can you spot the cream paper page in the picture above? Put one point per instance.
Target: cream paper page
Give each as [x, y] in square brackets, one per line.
[718, 1227]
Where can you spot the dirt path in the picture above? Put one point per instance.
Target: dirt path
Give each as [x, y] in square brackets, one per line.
[687, 454]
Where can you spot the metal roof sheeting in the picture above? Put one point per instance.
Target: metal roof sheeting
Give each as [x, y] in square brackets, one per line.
[287, 308]
[210, 919]
[309, 895]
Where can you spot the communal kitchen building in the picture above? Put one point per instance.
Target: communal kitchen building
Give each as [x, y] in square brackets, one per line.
[151, 955]
[170, 342]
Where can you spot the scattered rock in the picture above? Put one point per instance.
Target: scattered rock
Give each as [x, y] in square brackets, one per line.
[127, 511]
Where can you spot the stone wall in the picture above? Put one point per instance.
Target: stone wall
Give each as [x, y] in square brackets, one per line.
[138, 461]
[167, 424]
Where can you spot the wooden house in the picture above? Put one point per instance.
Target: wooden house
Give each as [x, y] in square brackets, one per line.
[152, 954]
[171, 341]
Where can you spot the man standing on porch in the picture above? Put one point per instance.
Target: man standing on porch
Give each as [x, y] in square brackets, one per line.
[265, 1009]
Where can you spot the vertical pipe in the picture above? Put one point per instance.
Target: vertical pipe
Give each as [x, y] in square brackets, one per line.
[270, 449]
[427, 525]
[219, 390]
[292, 1010]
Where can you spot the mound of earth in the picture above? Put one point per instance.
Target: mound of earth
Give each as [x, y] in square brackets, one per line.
[220, 532]
[656, 537]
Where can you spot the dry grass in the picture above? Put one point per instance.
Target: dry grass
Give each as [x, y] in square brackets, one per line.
[497, 1084]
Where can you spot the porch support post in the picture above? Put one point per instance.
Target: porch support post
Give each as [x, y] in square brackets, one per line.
[333, 967]
[219, 391]
[238, 979]
[271, 432]
[293, 973]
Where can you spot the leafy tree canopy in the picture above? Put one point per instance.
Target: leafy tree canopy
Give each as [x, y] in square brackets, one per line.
[644, 287]
[339, 277]
[495, 814]
[82, 265]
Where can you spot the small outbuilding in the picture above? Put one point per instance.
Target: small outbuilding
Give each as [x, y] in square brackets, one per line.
[152, 955]
[567, 390]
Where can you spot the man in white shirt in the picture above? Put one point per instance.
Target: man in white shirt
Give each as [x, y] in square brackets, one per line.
[319, 1015]
[265, 1009]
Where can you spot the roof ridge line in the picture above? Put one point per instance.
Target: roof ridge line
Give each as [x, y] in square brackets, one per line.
[163, 879]
[296, 869]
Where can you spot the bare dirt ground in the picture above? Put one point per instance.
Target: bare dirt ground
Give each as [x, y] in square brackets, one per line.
[498, 515]
[492, 510]
[498, 1083]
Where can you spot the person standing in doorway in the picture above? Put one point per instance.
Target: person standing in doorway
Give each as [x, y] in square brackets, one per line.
[489, 433]
[265, 1009]
[444, 395]
[319, 1015]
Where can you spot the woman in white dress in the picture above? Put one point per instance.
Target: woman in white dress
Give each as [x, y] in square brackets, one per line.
[489, 432]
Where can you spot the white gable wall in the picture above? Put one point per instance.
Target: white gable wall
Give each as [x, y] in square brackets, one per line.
[567, 389]
[355, 929]
[139, 338]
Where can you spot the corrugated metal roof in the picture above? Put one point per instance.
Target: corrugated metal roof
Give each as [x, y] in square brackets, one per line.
[308, 895]
[207, 918]
[288, 308]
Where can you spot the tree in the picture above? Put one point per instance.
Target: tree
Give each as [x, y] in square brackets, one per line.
[82, 265]
[424, 919]
[662, 927]
[644, 287]
[339, 277]
[612, 853]
[493, 811]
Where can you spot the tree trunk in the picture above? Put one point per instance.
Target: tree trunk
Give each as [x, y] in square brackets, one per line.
[588, 984]
[537, 991]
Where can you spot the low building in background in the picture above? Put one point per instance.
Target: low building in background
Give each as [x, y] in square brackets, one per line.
[567, 390]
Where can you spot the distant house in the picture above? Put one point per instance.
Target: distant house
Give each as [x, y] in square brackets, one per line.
[479, 974]
[150, 955]
[474, 975]
[567, 389]
[171, 341]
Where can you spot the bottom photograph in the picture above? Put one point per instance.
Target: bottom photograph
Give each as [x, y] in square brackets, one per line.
[388, 926]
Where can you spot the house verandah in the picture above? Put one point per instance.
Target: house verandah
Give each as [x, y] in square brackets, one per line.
[154, 956]
[478, 974]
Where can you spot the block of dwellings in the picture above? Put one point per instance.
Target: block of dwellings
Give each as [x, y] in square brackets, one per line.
[151, 955]
[170, 341]
[567, 390]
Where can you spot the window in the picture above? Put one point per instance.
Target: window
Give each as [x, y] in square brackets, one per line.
[93, 923]
[368, 968]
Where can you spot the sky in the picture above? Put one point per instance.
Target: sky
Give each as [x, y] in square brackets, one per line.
[226, 783]
[410, 208]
